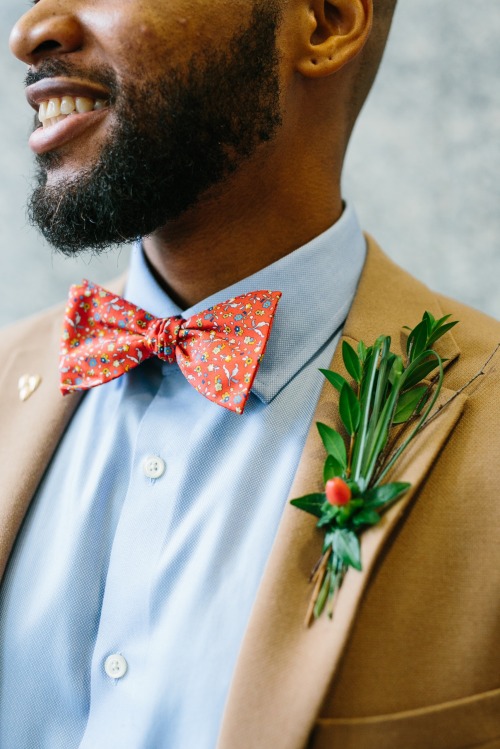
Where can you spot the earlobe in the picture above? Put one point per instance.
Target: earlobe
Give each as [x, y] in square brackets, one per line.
[337, 32]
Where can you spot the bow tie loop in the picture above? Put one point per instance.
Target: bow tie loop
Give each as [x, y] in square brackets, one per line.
[218, 351]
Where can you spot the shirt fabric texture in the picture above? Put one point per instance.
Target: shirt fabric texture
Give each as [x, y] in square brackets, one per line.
[164, 571]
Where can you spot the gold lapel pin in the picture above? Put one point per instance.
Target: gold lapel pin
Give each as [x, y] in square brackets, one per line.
[27, 385]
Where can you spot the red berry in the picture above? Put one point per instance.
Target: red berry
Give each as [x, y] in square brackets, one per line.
[337, 492]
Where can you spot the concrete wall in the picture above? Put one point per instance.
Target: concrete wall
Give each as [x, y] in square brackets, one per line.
[423, 167]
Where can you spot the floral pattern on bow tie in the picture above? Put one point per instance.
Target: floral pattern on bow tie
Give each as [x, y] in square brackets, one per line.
[218, 350]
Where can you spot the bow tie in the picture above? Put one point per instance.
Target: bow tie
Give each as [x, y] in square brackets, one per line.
[218, 350]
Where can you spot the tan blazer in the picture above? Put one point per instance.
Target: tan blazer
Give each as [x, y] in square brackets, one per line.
[412, 657]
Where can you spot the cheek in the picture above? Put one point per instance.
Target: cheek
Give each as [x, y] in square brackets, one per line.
[140, 37]
[130, 38]
[182, 26]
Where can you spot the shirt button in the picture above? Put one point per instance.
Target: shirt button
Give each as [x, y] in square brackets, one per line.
[154, 467]
[116, 666]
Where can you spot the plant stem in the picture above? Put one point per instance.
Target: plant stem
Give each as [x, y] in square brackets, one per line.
[384, 423]
[382, 379]
[323, 595]
[320, 576]
[351, 450]
[366, 399]
[314, 572]
[479, 374]
[391, 446]
[332, 595]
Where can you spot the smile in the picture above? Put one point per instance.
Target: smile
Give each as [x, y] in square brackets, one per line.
[59, 130]
[55, 110]
[68, 109]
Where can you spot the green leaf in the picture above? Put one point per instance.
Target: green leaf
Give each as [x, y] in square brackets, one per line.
[417, 340]
[346, 546]
[397, 369]
[355, 489]
[362, 352]
[391, 358]
[333, 442]
[419, 372]
[349, 409]
[311, 503]
[408, 403]
[426, 411]
[366, 516]
[426, 333]
[440, 332]
[441, 321]
[328, 515]
[332, 469]
[334, 378]
[430, 320]
[343, 515]
[382, 495]
[351, 361]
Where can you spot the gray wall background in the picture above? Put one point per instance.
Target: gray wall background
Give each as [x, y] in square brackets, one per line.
[423, 167]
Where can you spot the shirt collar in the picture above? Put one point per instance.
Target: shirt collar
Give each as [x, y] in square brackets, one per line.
[318, 282]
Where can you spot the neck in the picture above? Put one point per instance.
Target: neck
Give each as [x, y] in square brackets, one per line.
[253, 222]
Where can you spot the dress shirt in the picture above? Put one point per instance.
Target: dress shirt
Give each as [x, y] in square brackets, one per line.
[131, 583]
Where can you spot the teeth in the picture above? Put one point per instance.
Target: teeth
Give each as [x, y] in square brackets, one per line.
[42, 112]
[67, 105]
[83, 104]
[55, 109]
[54, 120]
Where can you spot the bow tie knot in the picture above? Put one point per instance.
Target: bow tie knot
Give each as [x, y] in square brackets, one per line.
[163, 337]
[218, 351]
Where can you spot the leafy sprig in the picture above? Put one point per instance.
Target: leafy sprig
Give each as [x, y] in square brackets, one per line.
[386, 393]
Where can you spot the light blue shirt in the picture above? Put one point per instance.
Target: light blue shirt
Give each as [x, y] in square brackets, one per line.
[150, 531]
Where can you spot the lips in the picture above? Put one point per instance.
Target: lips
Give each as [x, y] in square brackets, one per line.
[67, 107]
[51, 88]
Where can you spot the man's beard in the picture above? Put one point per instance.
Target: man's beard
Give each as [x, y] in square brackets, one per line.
[177, 137]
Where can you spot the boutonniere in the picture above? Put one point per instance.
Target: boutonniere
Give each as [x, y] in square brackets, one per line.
[386, 403]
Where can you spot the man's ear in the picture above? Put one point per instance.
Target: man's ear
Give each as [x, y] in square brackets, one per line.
[335, 32]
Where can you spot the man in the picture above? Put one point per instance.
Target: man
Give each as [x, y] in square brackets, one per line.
[154, 595]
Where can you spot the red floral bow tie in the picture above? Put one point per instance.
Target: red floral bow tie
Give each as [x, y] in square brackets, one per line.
[218, 350]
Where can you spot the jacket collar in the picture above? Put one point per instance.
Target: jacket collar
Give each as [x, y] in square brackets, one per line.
[284, 669]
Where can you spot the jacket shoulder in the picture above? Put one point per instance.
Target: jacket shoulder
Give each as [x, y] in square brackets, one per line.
[30, 331]
[478, 337]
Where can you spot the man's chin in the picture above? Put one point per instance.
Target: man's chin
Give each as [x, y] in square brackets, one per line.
[57, 169]
[70, 218]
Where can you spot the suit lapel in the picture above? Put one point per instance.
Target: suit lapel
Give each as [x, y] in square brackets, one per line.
[30, 430]
[284, 670]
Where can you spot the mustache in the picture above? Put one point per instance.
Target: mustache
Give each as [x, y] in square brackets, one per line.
[60, 69]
